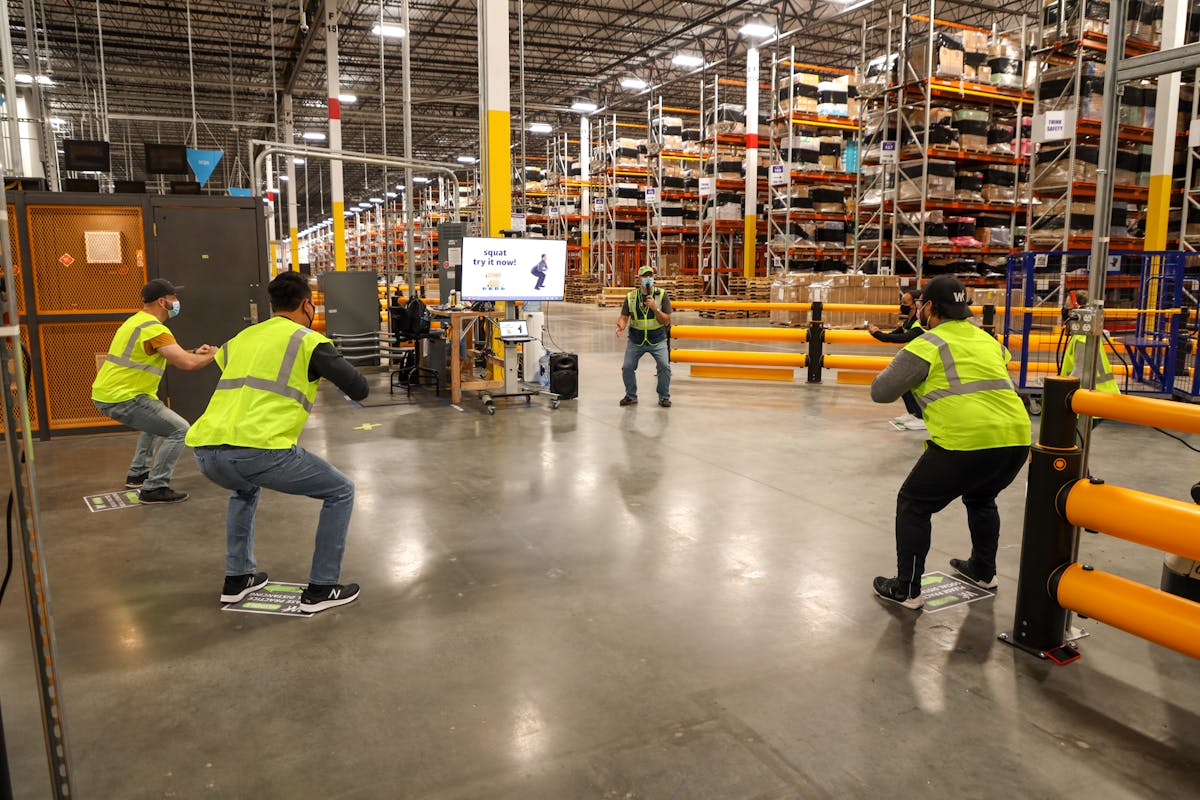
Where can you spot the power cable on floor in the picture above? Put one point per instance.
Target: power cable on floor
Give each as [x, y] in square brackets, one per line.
[9, 564]
[1178, 439]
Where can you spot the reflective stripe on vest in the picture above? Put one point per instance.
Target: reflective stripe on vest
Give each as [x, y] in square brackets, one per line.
[1105, 380]
[957, 386]
[126, 358]
[280, 385]
[127, 370]
[637, 323]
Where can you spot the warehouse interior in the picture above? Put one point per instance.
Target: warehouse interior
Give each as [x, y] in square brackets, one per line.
[564, 597]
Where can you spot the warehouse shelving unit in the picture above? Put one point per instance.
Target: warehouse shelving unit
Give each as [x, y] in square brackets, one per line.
[673, 177]
[720, 240]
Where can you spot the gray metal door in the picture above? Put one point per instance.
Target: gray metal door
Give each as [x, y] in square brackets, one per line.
[215, 249]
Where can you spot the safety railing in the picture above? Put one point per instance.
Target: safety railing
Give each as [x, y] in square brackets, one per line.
[1060, 501]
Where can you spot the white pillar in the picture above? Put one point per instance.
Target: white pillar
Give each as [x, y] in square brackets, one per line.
[585, 193]
[293, 225]
[333, 82]
[750, 230]
[495, 116]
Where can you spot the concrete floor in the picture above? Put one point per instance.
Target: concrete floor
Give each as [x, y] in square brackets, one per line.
[589, 602]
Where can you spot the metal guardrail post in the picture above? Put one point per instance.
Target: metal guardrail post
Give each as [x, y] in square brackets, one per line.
[989, 319]
[1048, 541]
[1181, 576]
[816, 343]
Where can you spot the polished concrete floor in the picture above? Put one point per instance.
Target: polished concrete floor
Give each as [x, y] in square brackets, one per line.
[588, 602]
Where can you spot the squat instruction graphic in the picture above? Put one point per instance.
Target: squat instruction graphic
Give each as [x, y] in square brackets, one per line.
[942, 591]
[111, 501]
[273, 598]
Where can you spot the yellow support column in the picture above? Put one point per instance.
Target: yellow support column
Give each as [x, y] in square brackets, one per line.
[750, 231]
[1166, 111]
[585, 193]
[332, 81]
[292, 211]
[494, 116]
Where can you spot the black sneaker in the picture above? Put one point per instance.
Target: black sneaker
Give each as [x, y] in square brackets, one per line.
[963, 568]
[134, 480]
[163, 494]
[238, 586]
[665, 402]
[628, 401]
[892, 589]
[319, 598]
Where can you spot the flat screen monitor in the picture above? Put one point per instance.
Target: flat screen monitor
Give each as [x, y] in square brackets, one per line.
[129, 187]
[513, 269]
[166, 159]
[85, 155]
[185, 187]
[80, 185]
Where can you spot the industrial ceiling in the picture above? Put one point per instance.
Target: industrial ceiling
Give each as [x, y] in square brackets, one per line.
[142, 70]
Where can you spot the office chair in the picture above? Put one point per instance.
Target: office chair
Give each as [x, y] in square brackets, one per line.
[410, 323]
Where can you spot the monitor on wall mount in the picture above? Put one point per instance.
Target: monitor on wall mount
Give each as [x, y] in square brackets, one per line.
[85, 155]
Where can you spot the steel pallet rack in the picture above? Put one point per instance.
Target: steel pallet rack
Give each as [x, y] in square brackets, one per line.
[663, 190]
[720, 240]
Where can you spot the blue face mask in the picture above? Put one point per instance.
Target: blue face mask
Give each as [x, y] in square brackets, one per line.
[173, 311]
[647, 283]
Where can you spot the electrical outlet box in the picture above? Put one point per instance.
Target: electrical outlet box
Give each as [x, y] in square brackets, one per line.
[1086, 322]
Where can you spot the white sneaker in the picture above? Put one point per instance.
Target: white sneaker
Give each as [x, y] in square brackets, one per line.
[901, 422]
[915, 424]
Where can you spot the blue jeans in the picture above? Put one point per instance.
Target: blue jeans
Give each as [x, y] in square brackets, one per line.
[245, 470]
[161, 428]
[633, 352]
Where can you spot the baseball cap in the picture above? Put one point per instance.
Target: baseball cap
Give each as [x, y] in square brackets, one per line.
[949, 297]
[645, 271]
[159, 287]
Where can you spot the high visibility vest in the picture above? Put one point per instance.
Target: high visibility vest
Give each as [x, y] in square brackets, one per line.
[127, 370]
[264, 395]
[1105, 380]
[967, 400]
[648, 321]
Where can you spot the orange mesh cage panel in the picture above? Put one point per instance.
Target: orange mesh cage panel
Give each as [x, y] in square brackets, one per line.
[13, 248]
[87, 259]
[32, 395]
[71, 354]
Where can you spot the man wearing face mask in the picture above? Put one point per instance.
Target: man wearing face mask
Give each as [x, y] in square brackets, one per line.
[246, 439]
[909, 329]
[647, 313]
[126, 389]
[979, 437]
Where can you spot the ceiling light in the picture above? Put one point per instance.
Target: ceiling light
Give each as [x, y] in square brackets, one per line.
[389, 31]
[349, 212]
[283, 177]
[687, 60]
[757, 29]
[297, 160]
[313, 136]
[418, 179]
[375, 199]
[348, 98]
[26, 78]
[633, 84]
[584, 105]
[389, 194]
[541, 127]
[56, 121]
[466, 159]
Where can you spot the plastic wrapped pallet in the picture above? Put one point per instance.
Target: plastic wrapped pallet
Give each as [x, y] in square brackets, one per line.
[830, 159]
[728, 118]
[999, 184]
[1053, 168]
[1002, 136]
[940, 179]
[993, 231]
[1067, 26]
[828, 199]
[968, 185]
[975, 56]
[729, 170]
[1126, 170]
[879, 75]
[833, 97]
[947, 55]
[1006, 62]
[972, 127]
[798, 93]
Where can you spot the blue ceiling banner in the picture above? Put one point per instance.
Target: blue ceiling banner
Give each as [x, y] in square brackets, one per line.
[237, 191]
[203, 162]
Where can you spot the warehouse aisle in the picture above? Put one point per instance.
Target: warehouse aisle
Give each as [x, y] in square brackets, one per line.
[591, 602]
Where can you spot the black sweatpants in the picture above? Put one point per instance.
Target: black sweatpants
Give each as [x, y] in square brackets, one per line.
[939, 477]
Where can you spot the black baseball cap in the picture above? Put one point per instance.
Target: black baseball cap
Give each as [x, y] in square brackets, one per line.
[159, 287]
[949, 297]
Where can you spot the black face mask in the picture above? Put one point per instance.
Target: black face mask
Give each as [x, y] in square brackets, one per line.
[905, 310]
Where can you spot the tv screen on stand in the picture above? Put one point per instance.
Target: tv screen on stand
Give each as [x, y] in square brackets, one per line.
[513, 269]
[85, 155]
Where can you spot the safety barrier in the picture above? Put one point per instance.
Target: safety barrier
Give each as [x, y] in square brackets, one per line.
[1059, 501]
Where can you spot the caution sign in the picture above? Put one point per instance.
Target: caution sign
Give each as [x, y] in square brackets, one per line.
[942, 591]
[66, 259]
[273, 598]
[111, 501]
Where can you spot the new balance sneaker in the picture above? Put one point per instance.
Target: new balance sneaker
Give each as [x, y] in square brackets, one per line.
[628, 401]
[134, 480]
[319, 598]
[163, 494]
[963, 567]
[238, 586]
[892, 589]
[915, 424]
[665, 402]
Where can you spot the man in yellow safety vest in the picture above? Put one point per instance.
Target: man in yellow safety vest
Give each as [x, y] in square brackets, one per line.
[1072, 363]
[126, 390]
[246, 439]
[979, 437]
[647, 313]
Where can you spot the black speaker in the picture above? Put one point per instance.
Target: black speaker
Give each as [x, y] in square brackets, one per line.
[564, 375]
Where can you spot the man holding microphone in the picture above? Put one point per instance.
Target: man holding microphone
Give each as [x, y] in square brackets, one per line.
[646, 312]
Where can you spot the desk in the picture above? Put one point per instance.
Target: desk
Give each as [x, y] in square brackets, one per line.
[462, 328]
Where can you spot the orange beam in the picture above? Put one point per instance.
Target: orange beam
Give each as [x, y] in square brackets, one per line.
[862, 363]
[742, 373]
[948, 24]
[1138, 410]
[1157, 522]
[729, 333]
[739, 358]
[1153, 615]
[834, 336]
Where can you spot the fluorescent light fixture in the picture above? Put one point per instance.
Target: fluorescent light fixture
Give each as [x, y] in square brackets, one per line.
[541, 127]
[465, 159]
[348, 98]
[297, 160]
[687, 60]
[26, 78]
[390, 194]
[757, 29]
[349, 212]
[419, 179]
[57, 121]
[375, 199]
[313, 136]
[633, 84]
[283, 177]
[389, 31]
[584, 105]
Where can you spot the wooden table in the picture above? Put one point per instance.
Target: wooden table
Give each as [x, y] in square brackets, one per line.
[462, 324]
